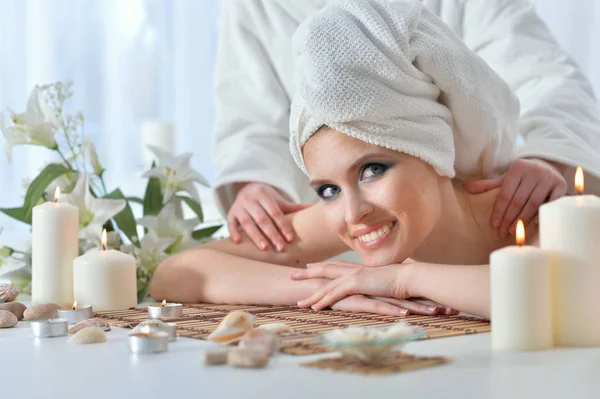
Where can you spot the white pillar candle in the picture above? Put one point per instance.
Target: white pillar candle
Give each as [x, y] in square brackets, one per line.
[54, 245]
[105, 279]
[158, 134]
[521, 300]
[571, 226]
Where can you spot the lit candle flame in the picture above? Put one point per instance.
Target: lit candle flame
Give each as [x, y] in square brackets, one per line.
[57, 194]
[74, 305]
[579, 180]
[146, 330]
[104, 239]
[520, 232]
[164, 303]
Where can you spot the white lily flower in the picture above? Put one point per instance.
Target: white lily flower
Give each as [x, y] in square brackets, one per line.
[152, 251]
[93, 212]
[175, 174]
[17, 269]
[167, 225]
[93, 156]
[36, 126]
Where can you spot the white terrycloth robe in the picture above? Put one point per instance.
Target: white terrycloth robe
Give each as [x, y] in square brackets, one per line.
[254, 85]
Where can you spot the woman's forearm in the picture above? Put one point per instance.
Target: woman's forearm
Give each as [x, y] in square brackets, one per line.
[206, 275]
[465, 288]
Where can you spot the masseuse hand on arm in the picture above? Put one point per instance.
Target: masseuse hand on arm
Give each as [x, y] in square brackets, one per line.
[526, 185]
[260, 210]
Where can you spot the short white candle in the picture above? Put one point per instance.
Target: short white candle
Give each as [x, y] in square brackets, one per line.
[105, 279]
[158, 134]
[571, 226]
[521, 300]
[54, 245]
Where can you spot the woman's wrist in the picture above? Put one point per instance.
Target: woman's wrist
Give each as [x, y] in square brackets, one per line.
[407, 281]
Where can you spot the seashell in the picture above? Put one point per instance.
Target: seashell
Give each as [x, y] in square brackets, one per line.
[277, 328]
[232, 327]
[8, 292]
[89, 335]
[89, 323]
[41, 311]
[260, 339]
[7, 319]
[16, 308]
[247, 358]
[213, 357]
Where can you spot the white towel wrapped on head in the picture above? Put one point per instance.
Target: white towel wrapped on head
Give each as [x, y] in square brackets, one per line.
[394, 75]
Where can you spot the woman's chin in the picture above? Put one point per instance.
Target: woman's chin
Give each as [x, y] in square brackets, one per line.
[381, 258]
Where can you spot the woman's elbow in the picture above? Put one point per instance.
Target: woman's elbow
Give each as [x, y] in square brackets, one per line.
[175, 281]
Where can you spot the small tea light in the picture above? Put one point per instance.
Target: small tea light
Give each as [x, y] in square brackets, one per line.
[76, 313]
[147, 342]
[158, 325]
[49, 328]
[165, 310]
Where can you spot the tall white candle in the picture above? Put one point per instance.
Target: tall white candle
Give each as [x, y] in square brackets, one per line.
[105, 279]
[158, 134]
[521, 301]
[571, 226]
[54, 245]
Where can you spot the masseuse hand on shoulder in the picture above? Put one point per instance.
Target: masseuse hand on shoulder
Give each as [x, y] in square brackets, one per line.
[526, 185]
[384, 286]
[260, 210]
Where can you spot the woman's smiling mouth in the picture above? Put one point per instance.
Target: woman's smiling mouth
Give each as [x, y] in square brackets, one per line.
[375, 237]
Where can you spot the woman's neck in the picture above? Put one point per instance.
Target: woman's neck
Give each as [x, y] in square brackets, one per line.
[463, 234]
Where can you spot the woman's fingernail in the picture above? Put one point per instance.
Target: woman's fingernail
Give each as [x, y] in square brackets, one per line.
[309, 264]
[300, 303]
[294, 274]
[279, 247]
[289, 237]
[263, 245]
[404, 312]
[433, 309]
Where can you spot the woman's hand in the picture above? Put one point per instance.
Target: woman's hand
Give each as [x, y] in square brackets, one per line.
[383, 284]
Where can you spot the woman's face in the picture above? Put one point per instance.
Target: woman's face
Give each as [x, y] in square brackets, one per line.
[380, 202]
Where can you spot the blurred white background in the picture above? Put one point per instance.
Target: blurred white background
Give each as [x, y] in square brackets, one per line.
[132, 60]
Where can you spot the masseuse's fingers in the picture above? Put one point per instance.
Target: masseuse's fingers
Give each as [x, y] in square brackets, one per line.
[361, 303]
[481, 186]
[518, 203]
[252, 230]
[509, 187]
[276, 213]
[233, 227]
[265, 224]
[537, 198]
[413, 306]
[559, 191]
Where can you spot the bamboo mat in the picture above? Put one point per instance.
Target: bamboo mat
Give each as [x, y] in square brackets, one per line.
[199, 320]
[397, 363]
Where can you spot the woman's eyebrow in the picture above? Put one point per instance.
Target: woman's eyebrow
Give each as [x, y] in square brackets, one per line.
[354, 165]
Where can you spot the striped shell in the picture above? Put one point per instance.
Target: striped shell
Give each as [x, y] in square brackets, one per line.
[89, 335]
[8, 292]
[232, 327]
[89, 323]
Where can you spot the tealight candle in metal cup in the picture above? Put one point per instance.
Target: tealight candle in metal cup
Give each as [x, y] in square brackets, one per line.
[49, 328]
[76, 313]
[165, 310]
[143, 343]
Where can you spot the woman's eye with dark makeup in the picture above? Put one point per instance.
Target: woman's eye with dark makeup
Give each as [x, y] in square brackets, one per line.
[372, 170]
[328, 191]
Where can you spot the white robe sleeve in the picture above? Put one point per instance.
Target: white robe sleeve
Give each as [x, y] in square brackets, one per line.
[251, 137]
[560, 119]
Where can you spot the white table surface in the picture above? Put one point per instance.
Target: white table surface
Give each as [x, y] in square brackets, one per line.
[51, 368]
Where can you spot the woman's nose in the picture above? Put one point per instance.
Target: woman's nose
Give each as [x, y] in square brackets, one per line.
[356, 208]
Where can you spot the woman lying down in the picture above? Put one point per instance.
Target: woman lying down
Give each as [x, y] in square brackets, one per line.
[392, 113]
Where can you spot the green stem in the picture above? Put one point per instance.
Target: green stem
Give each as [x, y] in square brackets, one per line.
[103, 184]
[63, 158]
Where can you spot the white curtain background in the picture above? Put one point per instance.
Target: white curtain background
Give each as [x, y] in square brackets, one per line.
[129, 60]
[119, 52]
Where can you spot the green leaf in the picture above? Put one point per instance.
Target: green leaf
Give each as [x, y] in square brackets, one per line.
[194, 206]
[124, 219]
[16, 213]
[205, 232]
[39, 185]
[142, 291]
[153, 198]
[137, 200]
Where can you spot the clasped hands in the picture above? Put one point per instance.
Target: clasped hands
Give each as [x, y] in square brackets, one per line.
[359, 288]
